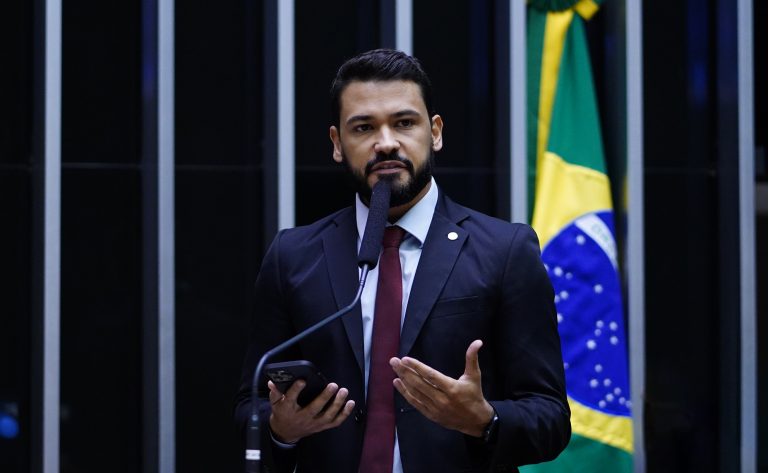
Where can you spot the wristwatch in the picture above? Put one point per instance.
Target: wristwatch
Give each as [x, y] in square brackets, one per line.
[489, 434]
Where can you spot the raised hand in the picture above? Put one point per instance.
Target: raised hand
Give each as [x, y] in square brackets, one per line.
[456, 404]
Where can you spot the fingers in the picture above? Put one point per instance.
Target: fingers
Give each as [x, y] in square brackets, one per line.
[417, 374]
[275, 395]
[293, 392]
[422, 386]
[329, 411]
[472, 364]
[290, 422]
[316, 406]
[338, 410]
[417, 392]
[330, 406]
[414, 397]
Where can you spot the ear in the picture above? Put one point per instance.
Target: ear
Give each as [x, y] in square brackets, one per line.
[437, 133]
[338, 156]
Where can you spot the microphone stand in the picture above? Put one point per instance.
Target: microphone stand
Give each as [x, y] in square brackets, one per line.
[368, 256]
[253, 438]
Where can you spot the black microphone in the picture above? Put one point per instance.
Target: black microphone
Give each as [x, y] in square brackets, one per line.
[370, 246]
[367, 259]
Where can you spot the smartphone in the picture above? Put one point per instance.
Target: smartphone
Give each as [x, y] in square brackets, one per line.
[286, 373]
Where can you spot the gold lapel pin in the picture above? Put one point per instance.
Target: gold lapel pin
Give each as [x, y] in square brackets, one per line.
[453, 235]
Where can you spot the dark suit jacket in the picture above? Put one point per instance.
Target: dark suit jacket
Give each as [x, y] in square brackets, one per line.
[488, 284]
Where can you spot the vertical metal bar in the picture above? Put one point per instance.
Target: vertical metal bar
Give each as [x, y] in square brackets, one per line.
[747, 237]
[286, 165]
[404, 26]
[52, 239]
[635, 225]
[166, 249]
[158, 365]
[517, 109]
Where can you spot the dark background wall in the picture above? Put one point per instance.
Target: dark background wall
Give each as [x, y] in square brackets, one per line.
[219, 216]
[16, 246]
[682, 395]
[101, 235]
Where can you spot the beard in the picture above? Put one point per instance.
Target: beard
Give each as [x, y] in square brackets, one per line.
[402, 193]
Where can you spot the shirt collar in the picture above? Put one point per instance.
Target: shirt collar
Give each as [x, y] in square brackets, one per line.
[415, 222]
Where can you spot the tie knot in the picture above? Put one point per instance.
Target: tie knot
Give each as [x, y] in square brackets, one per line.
[393, 236]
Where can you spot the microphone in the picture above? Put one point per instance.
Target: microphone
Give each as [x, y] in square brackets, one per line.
[367, 259]
[370, 246]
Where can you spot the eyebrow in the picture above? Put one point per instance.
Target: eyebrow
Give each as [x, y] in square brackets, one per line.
[402, 113]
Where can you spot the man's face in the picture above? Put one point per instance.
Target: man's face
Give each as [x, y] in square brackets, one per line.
[385, 133]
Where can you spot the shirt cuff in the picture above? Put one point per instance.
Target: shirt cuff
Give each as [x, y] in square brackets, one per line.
[279, 444]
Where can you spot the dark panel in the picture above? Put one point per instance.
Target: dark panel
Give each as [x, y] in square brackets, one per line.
[321, 190]
[679, 85]
[761, 236]
[473, 187]
[101, 246]
[760, 12]
[682, 355]
[101, 82]
[456, 46]
[218, 83]
[729, 234]
[16, 236]
[219, 220]
[218, 252]
[16, 82]
[100, 321]
[687, 361]
[502, 95]
[15, 292]
[325, 38]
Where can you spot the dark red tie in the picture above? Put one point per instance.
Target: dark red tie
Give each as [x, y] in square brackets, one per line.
[379, 440]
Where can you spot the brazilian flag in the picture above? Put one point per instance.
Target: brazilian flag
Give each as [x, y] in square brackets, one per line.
[573, 216]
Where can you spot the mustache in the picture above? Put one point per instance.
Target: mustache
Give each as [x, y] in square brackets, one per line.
[383, 157]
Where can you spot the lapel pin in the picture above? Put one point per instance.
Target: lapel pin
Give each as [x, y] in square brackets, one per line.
[453, 235]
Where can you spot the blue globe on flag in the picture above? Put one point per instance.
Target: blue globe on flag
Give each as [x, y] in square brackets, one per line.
[582, 265]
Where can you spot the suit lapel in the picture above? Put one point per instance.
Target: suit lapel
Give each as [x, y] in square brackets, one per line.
[339, 244]
[438, 256]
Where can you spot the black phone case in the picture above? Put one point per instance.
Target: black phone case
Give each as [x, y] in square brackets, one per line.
[286, 373]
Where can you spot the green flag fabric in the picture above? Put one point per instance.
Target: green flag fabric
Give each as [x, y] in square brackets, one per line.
[572, 213]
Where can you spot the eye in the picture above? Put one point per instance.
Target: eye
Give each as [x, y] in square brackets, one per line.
[405, 123]
[363, 127]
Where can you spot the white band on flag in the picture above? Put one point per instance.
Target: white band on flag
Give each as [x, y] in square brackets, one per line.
[594, 226]
[253, 454]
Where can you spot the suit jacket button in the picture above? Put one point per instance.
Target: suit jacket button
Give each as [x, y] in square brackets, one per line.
[359, 415]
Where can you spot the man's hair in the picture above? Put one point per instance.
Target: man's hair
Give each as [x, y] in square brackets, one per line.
[379, 65]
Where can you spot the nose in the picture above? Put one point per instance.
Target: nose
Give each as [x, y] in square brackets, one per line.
[387, 142]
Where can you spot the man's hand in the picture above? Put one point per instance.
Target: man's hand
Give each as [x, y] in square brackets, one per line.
[290, 422]
[456, 404]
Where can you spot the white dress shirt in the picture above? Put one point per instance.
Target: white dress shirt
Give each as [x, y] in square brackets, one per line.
[416, 223]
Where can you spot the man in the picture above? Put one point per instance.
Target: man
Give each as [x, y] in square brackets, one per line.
[475, 381]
